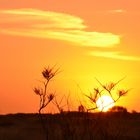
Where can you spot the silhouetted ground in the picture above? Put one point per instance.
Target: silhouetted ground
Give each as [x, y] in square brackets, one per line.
[71, 126]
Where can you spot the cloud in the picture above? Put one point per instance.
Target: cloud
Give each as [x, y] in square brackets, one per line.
[59, 26]
[44, 19]
[113, 55]
[83, 38]
[117, 11]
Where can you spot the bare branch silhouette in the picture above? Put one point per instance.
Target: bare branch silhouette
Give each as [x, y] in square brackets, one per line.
[108, 87]
[45, 97]
[59, 104]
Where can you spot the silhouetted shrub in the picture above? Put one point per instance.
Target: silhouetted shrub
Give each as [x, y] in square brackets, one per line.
[81, 108]
[118, 109]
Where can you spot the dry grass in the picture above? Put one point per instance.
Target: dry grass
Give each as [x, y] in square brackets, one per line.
[71, 126]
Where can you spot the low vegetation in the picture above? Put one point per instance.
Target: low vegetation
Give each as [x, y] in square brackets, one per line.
[71, 126]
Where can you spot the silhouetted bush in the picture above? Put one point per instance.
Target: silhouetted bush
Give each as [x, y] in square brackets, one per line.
[118, 109]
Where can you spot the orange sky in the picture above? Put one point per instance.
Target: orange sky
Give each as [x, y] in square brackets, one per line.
[87, 39]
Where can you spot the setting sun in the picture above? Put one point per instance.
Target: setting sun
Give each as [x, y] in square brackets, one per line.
[69, 69]
[104, 103]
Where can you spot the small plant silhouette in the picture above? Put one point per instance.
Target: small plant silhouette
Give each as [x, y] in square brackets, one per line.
[58, 104]
[81, 108]
[45, 98]
[109, 87]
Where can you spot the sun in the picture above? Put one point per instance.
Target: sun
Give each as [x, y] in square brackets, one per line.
[104, 103]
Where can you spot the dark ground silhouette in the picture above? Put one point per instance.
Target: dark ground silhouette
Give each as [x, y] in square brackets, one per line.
[71, 126]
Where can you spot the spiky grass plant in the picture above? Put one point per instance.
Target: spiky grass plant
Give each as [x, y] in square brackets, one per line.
[45, 97]
[108, 89]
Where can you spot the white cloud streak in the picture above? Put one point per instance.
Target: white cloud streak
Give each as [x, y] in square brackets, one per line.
[59, 26]
[45, 18]
[117, 11]
[113, 55]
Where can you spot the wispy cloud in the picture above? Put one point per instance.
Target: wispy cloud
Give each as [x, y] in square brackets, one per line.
[113, 55]
[61, 26]
[114, 12]
[82, 38]
[43, 19]
[117, 11]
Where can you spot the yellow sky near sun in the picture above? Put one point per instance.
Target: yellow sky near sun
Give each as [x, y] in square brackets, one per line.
[84, 41]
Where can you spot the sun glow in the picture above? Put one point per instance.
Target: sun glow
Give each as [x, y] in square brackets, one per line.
[104, 103]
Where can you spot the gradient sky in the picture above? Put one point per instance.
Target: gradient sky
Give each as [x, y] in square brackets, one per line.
[86, 39]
